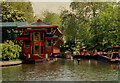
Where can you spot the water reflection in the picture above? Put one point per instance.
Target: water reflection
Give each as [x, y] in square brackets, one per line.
[63, 70]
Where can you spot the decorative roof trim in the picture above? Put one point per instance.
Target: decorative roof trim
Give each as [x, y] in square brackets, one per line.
[23, 27]
[36, 30]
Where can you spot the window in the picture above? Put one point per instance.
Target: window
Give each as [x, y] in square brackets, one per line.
[42, 36]
[31, 49]
[42, 50]
[31, 36]
[36, 36]
[53, 41]
[48, 43]
[36, 49]
[27, 43]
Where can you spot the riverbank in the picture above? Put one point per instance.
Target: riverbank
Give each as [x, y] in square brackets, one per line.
[18, 62]
[10, 63]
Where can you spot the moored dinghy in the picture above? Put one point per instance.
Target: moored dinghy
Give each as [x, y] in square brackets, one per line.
[69, 56]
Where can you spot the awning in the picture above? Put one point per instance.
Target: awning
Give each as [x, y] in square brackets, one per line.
[47, 38]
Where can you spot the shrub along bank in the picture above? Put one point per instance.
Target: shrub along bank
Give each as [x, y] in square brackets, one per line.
[10, 51]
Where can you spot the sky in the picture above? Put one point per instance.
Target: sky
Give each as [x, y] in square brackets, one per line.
[56, 7]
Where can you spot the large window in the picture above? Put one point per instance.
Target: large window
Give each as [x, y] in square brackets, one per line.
[27, 43]
[42, 36]
[42, 50]
[48, 42]
[31, 36]
[36, 49]
[36, 36]
[31, 49]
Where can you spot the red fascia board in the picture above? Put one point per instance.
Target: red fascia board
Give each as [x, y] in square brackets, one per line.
[23, 27]
[51, 38]
[58, 38]
[36, 30]
[21, 38]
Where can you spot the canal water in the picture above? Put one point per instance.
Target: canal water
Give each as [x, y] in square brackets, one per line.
[62, 70]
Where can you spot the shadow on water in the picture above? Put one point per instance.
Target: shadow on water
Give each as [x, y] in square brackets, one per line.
[62, 70]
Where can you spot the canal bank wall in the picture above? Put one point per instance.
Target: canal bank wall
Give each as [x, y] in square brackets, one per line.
[13, 63]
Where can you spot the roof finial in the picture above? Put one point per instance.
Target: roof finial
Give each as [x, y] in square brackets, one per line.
[39, 20]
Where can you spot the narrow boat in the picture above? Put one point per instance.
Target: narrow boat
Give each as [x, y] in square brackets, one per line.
[111, 55]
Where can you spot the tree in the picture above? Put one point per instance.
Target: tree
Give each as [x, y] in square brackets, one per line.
[105, 28]
[83, 23]
[51, 18]
[24, 7]
[11, 15]
[68, 20]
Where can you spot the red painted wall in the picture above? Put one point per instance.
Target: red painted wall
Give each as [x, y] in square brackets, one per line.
[56, 50]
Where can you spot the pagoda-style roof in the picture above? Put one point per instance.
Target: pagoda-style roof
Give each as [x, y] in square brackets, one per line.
[51, 35]
[38, 24]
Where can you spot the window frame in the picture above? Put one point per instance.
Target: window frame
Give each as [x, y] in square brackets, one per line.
[31, 36]
[28, 44]
[42, 53]
[32, 50]
[47, 43]
[35, 50]
[35, 36]
[42, 36]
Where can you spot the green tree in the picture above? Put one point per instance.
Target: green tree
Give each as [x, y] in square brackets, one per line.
[24, 7]
[51, 18]
[83, 23]
[11, 15]
[105, 28]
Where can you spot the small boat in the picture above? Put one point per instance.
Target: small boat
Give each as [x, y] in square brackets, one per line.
[76, 54]
[111, 55]
[69, 56]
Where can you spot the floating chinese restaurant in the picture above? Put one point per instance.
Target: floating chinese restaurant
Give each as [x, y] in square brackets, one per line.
[40, 40]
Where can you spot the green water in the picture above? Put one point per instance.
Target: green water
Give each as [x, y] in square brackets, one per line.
[62, 70]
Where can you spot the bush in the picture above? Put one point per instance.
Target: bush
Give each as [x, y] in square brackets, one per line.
[10, 51]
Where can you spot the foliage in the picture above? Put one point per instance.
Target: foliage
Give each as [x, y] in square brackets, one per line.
[24, 8]
[95, 24]
[105, 28]
[11, 15]
[10, 51]
[68, 46]
[51, 18]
